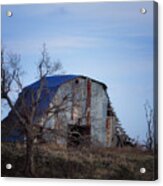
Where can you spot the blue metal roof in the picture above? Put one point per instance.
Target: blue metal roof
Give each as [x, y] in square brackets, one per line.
[49, 89]
[53, 81]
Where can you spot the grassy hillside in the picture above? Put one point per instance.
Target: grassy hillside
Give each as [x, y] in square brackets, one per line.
[92, 163]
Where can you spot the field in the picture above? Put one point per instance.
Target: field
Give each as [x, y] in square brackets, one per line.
[83, 163]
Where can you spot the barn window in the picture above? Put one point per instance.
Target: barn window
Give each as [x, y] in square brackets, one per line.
[77, 81]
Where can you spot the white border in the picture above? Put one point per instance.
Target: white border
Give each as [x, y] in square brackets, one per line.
[61, 182]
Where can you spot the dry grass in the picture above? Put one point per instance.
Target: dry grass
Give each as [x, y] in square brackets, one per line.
[91, 163]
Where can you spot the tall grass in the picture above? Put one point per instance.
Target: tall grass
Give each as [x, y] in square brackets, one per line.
[84, 163]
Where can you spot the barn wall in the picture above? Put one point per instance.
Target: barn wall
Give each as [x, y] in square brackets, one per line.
[74, 106]
[111, 138]
[59, 120]
[99, 103]
[77, 108]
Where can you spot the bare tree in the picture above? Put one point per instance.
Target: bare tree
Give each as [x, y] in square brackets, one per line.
[10, 79]
[27, 106]
[10, 74]
[149, 119]
[46, 66]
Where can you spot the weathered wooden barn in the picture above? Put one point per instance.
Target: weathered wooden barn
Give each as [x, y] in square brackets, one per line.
[73, 109]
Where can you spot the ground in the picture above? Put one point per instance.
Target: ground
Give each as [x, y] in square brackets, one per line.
[80, 163]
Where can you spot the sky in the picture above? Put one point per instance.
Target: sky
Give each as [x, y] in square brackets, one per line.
[110, 42]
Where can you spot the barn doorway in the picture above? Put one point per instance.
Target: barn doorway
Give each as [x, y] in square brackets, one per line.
[78, 135]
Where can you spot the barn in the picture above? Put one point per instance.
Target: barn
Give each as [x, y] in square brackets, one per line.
[72, 110]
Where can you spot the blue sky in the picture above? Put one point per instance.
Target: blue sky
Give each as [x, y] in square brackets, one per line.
[110, 42]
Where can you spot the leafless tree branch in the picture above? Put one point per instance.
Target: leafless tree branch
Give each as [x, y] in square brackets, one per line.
[149, 120]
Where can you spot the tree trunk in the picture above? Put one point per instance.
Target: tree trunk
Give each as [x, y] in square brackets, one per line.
[29, 165]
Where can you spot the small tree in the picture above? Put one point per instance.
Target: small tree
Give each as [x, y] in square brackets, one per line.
[149, 119]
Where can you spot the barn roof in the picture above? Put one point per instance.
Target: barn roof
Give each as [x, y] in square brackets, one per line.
[49, 89]
[57, 80]
[53, 81]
